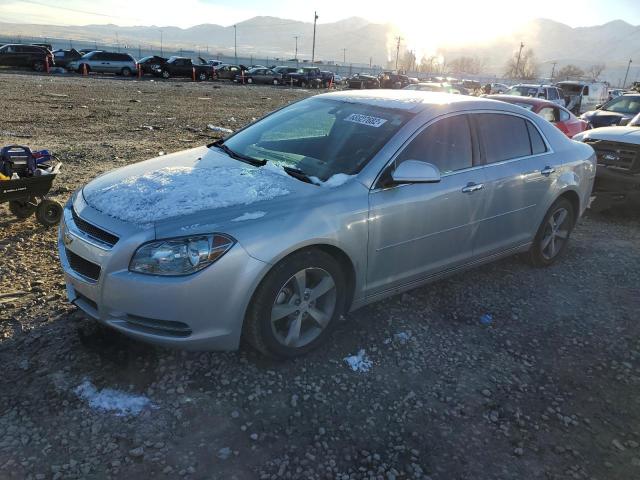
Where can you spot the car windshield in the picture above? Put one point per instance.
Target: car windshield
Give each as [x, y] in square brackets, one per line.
[320, 137]
[623, 104]
[523, 91]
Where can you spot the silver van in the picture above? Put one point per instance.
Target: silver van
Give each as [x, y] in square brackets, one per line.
[105, 62]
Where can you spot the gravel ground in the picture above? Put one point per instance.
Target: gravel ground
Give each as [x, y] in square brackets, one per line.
[546, 388]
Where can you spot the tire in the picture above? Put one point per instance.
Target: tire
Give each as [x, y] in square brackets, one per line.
[271, 330]
[303, 84]
[125, 72]
[202, 77]
[165, 74]
[23, 210]
[276, 82]
[249, 80]
[556, 227]
[49, 213]
[38, 66]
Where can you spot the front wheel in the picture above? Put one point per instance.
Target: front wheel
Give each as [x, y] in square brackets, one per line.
[165, 74]
[553, 234]
[38, 66]
[125, 72]
[49, 213]
[297, 305]
[276, 82]
[202, 76]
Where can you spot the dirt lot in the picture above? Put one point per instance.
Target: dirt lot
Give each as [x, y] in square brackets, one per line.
[548, 389]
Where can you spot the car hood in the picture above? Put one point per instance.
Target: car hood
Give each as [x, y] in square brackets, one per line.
[606, 118]
[184, 187]
[611, 134]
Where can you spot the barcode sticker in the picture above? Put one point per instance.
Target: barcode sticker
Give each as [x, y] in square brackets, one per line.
[366, 120]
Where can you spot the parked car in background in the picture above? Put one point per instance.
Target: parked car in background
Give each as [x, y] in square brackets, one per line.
[432, 87]
[583, 96]
[614, 92]
[30, 56]
[261, 75]
[498, 88]
[305, 77]
[46, 46]
[546, 92]
[148, 64]
[227, 72]
[618, 174]
[84, 51]
[62, 57]
[320, 208]
[393, 80]
[559, 116]
[618, 111]
[105, 62]
[284, 70]
[183, 67]
[215, 63]
[363, 80]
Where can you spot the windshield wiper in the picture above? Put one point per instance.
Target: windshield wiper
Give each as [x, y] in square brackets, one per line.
[299, 174]
[238, 156]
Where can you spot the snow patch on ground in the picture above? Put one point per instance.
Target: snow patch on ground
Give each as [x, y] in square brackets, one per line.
[174, 191]
[359, 362]
[402, 337]
[249, 216]
[110, 400]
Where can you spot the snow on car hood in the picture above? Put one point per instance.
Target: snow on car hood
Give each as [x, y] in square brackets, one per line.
[614, 134]
[181, 184]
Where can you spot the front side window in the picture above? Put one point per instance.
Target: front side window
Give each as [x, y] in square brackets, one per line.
[445, 144]
[564, 115]
[504, 137]
[320, 137]
[548, 114]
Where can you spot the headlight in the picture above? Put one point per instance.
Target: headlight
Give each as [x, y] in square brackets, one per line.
[180, 256]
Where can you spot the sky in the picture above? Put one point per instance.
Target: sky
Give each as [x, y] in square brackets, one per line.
[469, 18]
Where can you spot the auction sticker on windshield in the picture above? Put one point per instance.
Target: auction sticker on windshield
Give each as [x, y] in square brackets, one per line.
[366, 120]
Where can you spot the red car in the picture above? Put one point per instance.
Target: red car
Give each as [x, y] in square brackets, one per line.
[559, 116]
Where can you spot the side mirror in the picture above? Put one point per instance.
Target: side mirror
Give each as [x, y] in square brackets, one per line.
[415, 171]
[598, 106]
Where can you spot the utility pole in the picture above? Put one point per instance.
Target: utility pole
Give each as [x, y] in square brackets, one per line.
[399, 39]
[161, 52]
[518, 62]
[235, 42]
[344, 56]
[296, 54]
[117, 41]
[553, 69]
[626, 74]
[313, 48]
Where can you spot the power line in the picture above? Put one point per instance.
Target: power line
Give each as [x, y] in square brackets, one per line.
[86, 12]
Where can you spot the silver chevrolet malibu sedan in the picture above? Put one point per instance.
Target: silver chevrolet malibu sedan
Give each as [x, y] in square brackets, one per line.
[317, 209]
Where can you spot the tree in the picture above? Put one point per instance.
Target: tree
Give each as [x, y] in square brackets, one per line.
[526, 68]
[570, 71]
[470, 65]
[596, 70]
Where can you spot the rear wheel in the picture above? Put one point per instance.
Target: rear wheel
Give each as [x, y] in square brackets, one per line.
[49, 213]
[38, 66]
[249, 80]
[125, 72]
[553, 234]
[276, 82]
[303, 84]
[202, 76]
[23, 209]
[297, 305]
[165, 74]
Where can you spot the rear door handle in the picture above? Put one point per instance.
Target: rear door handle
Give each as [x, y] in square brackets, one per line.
[546, 171]
[472, 187]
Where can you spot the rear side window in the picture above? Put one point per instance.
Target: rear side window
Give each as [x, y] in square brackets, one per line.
[446, 144]
[537, 144]
[564, 115]
[506, 137]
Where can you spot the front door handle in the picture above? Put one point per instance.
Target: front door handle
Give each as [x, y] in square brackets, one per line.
[546, 171]
[472, 187]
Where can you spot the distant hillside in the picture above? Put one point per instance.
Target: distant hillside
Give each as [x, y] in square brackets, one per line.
[613, 43]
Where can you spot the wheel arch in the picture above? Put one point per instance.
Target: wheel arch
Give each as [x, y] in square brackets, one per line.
[573, 198]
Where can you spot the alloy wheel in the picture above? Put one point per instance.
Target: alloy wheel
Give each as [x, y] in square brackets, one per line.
[303, 307]
[555, 234]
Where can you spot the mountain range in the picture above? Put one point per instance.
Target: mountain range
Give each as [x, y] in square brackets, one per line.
[612, 44]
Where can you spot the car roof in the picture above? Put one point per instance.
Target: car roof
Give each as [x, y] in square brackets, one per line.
[414, 101]
[538, 102]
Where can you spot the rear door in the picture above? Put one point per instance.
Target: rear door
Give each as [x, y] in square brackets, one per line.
[418, 230]
[517, 177]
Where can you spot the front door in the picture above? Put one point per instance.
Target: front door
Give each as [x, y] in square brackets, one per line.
[417, 230]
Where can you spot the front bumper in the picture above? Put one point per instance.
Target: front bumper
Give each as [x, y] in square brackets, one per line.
[203, 311]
